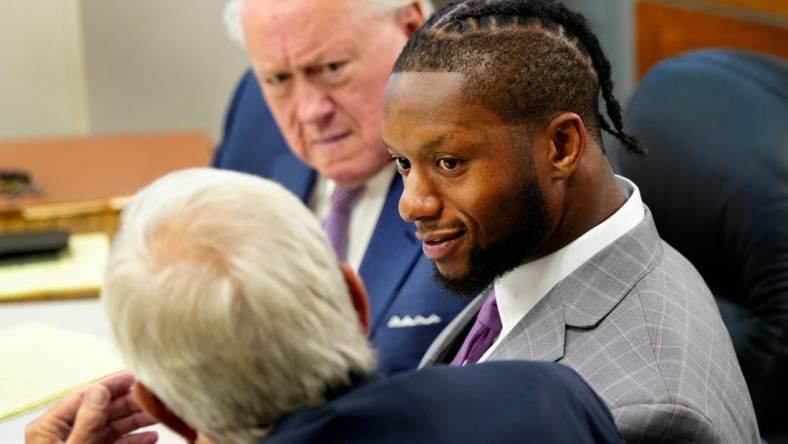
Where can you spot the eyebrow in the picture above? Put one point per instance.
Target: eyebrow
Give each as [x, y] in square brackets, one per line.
[434, 143]
[429, 145]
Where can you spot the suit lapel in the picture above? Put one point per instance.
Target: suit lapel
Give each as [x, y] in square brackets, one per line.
[447, 343]
[294, 175]
[585, 297]
[539, 336]
[392, 252]
[598, 286]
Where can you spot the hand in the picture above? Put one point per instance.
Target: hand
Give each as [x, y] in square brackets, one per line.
[101, 413]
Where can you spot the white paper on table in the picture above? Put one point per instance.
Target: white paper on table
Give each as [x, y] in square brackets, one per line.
[79, 268]
[40, 363]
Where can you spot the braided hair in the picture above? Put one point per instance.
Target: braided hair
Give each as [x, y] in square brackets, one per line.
[525, 59]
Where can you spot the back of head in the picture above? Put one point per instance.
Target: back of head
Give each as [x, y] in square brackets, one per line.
[226, 300]
[527, 60]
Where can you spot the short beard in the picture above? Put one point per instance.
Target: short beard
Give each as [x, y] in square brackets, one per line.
[528, 230]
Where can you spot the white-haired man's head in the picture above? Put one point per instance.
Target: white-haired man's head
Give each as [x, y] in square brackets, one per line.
[322, 67]
[232, 13]
[227, 301]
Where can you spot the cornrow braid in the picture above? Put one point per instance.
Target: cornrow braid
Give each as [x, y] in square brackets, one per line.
[526, 59]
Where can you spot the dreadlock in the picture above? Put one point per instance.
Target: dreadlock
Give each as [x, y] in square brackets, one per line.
[524, 59]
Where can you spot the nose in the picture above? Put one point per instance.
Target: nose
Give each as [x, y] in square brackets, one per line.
[419, 199]
[314, 106]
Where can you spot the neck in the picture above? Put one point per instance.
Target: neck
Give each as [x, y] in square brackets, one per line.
[591, 197]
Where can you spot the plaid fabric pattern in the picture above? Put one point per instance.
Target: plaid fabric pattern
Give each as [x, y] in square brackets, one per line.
[638, 323]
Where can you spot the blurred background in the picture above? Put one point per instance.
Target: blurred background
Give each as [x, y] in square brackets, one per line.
[95, 67]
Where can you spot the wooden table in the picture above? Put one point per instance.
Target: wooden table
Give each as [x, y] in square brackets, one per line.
[84, 182]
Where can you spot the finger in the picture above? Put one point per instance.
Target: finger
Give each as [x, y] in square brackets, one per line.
[57, 421]
[63, 411]
[123, 406]
[117, 429]
[139, 438]
[118, 383]
[92, 416]
[46, 432]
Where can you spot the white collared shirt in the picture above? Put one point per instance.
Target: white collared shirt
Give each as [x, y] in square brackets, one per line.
[363, 215]
[518, 291]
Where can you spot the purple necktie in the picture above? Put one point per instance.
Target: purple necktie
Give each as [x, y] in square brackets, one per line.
[336, 223]
[482, 334]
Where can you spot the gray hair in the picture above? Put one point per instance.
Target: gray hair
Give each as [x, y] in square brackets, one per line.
[232, 13]
[226, 299]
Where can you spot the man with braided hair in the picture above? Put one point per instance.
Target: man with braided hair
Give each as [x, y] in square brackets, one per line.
[492, 118]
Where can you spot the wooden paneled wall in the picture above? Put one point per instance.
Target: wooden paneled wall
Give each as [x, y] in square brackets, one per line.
[665, 29]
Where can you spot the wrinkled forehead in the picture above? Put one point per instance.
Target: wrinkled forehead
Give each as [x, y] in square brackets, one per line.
[297, 31]
[307, 19]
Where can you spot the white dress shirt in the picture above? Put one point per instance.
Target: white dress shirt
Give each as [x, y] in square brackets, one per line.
[518, 291]
[363, 215]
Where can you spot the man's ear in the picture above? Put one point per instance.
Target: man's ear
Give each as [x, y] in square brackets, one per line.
[155, 408]
[358, 295]
[567, 144]
[411, 18]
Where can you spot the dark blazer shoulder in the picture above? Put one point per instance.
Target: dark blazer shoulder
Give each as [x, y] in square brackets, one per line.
[487, 403]
[251, 141]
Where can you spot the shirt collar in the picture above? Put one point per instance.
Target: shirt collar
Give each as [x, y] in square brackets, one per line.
[518, 291]
[377, 185]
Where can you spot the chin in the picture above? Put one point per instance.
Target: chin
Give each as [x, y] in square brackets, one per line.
[465, 284]
[450, 273]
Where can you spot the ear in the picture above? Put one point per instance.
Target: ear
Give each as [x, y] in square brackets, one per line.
[358, 295]
[567, 144]
[154, 407]
[410, 18]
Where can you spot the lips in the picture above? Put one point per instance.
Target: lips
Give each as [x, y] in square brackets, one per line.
[438, 245]
[330, 140]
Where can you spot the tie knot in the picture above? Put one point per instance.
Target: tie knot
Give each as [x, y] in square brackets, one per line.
[488, 314]
[343, 197]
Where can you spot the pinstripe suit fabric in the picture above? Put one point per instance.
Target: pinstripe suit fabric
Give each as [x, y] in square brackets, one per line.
[638, 323]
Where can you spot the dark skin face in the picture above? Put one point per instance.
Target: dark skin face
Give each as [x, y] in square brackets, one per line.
[462, 172]
[485, 195]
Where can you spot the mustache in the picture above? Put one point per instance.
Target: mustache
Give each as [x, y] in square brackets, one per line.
[428, 227]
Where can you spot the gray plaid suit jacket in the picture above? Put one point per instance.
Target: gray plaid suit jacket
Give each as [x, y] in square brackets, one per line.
[638, 323]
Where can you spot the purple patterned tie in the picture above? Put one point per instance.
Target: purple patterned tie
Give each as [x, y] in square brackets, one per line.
[336, 223]
[482, 334]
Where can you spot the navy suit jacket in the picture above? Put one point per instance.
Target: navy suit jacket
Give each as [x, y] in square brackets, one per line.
[496, 402]
[397, 276]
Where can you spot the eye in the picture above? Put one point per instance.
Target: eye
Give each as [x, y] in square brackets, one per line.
[334, 72]
[334, 66]
[277, 79]
[448, 164]
[403, 164]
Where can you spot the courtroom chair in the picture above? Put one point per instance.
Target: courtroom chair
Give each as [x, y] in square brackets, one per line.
[715, 123]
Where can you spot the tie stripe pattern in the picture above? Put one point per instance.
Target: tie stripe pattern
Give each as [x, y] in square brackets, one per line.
[336, 223]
